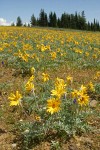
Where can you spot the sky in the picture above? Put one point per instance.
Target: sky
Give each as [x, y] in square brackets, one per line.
[11, 9]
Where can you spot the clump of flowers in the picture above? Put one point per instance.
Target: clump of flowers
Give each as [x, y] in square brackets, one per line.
[59, 89]
[53, 104]
[81, 96]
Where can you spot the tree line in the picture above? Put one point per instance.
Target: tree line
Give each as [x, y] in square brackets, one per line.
[70, 21]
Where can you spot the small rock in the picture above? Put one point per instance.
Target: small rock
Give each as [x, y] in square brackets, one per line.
[14, 145]
[26, 131]
[86, 140]
[93, 103]
[72, 147]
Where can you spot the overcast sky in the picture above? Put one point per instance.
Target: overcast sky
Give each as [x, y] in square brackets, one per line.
[11, 9]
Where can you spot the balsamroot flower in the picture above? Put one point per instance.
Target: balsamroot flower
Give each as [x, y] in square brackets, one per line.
[91, 86]
[59, 88]
[58, 91]
[31, 79]
[81, 96]
[75, 93]
[45, 77]
[83, 100]
[29, 86]
[37, 118]
[53, 55]
[15, 98]
[83, 89]
[53, 105]
[69, 79]
[32, 70]
[97, 76]
[60, 82]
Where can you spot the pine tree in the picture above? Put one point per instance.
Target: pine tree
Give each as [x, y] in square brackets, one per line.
[54, 20]
[19, 21]
[95, 25]
[98, 26]
[72, 21]
[83, 20]
[59, 22]
[33, 20]
[92, 26]
[51, 19]
[76, 20]
[63, 20]
[88, 26]
[37, 21]
[43, 20]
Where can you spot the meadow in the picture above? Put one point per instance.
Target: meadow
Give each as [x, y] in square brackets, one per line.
[49, 89]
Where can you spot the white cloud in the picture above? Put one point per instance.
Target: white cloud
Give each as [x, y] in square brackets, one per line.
[3, 22]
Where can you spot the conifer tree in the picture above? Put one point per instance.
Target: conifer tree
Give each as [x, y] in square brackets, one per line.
[43, 20]
[33, 20]
[54, 20]
[72, 21]
[51, 19]
[88, 26]
[19, 21]
[59, 23]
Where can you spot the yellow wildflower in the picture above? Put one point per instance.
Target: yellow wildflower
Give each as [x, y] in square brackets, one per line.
[31, 79]
[75, 93]
[15, 98]
[53, 55]
[45, 77]
[83, 89]
[37, 118]
[59, 88]
[25, 58]
[69, 79]
[53, 105]
[58, 91]
[94, 56]
[83, 100]
[86, 54]
[32, 70]
[43, 48]
[59, 82]
[97, 75]
[1, 49]
[29, 86]
[91, 86]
